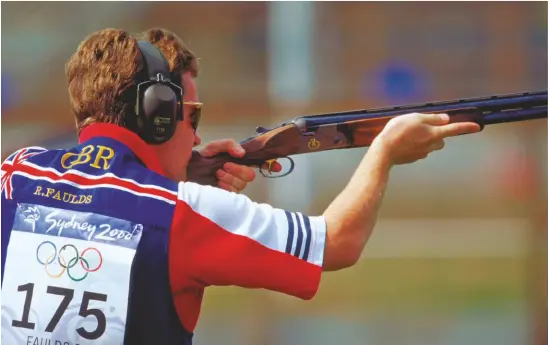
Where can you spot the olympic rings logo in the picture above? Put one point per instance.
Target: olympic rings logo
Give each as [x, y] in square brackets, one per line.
[47, 259]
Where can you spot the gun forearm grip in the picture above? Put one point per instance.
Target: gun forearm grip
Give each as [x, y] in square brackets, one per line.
[466, 115]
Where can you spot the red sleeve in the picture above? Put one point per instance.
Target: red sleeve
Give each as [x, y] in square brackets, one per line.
[223, 238]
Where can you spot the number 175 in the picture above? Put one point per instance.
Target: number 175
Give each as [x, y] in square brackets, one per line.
[67, 294]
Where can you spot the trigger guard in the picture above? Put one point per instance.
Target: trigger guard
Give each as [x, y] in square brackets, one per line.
[291, 161]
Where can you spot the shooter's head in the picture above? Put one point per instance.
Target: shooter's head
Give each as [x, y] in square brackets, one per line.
[103, 75]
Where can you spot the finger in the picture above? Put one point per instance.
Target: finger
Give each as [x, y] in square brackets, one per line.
[274, 167]
[231, 180]
[229, 187]
[242, 172]
[226, 180]
[225, 145]
[226, 186]
[458, 128]
[435, 119]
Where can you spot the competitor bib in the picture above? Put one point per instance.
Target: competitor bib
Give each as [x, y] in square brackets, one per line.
[66, 277]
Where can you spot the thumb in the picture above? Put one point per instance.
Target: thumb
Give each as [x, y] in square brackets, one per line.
[219, 146]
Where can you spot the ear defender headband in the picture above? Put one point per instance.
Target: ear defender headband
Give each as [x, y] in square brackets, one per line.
[159, 101]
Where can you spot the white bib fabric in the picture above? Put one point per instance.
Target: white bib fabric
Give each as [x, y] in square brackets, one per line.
[66, 277]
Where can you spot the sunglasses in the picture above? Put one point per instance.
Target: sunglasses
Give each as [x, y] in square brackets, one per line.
[195, 114]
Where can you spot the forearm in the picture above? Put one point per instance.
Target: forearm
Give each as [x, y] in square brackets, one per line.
[351, 217]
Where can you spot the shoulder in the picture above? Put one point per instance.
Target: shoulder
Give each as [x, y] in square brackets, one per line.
[147, 182]
[20, 156]
[24, 153]
[15, 163]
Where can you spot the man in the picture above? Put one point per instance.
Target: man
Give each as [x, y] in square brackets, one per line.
[110, 243]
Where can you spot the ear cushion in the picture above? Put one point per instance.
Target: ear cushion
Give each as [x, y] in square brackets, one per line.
[158, 110]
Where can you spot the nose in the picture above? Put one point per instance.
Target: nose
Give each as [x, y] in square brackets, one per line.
[197, 139]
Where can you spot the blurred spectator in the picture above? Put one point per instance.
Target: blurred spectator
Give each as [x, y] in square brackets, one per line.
[396, 82]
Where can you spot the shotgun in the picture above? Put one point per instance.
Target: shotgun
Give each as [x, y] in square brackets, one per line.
[358, 128]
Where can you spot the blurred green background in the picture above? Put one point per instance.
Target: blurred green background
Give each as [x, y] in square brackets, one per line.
[458, 256]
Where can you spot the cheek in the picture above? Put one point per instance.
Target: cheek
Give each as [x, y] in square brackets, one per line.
[184, 138]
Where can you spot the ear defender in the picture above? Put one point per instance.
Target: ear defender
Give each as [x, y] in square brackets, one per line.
[159, 101]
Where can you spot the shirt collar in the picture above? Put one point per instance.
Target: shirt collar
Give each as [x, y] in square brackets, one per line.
[137, 145]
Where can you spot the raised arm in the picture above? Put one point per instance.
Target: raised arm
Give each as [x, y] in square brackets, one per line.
[351, 217]
[226, 239]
